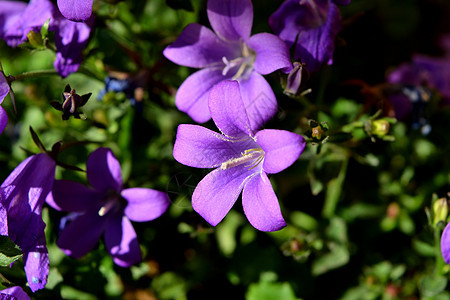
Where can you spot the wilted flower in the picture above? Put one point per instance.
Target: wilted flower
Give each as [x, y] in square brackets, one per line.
[76, 10]
[242, 158]
[105, 208]
[14, 293]
[71, 103]
[17, 19]
[311, 26]
[22, 196]
[228, 53]
[4, 90]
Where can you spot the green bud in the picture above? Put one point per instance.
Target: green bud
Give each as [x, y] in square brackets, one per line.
[440, 211]
[35, 39]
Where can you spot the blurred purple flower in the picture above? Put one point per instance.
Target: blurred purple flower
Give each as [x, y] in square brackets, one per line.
[17, 19]
[228, 53]
[4, 90]
[14, 293]
[312, 25]
[22, 196]
[445, 244]
[76, 10]
[106, 208]
[242, 159]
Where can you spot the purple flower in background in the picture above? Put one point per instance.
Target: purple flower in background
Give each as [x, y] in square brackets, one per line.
[14, 293]
[76, 10]
[445, 244]
[228, 53]
[22, 196]
[242, 158]
[105, 208]
[17, 19]
[311, 26]
[4, 90]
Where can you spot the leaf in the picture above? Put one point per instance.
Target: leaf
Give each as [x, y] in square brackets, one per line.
[270, 291]
[338, 257]
[431, 285]
[9, 252]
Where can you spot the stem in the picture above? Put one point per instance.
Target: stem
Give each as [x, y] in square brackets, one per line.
[437, 248]
[31, 74]
[334, 190]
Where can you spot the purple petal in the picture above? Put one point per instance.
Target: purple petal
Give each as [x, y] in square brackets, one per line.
[199, 47]
[145, 204]
[122, 243]
[271, 53]
[231, 19]
[261, 204]
[103, 170]
[192, 95]
[228, 110]
[16, 292]
[217, 192]
[199, 147]
[3, 119]
[4, 87]
[281, 148]
[445, 244]
[82, 234]
[259, 100]
[10, 12]
[75, 10]
[72, 196]
[36, 268]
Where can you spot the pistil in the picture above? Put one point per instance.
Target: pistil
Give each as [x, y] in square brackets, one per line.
[254, 156]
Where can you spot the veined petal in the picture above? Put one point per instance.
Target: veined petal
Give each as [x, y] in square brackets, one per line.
[281, 148]
[199, 147]
[259, 100]
[231, 19]
[82, 234]
[75, 10]
[122, 243]
[3, 119]
[4, 87]
[37, 268]
[217, 192]
[271, 53]
[192, 95]
[103, 170]
[145, 204]
[261, 204]
[445, 244]
[228, 110]
[198, 47]
[72, 196]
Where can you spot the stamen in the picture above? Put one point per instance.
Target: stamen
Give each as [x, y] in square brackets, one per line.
[106, 208]
[255, 156]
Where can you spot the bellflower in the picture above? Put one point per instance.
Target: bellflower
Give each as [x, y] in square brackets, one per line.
[228, 52]
[242, 158]
[311, 26]
[76, 10]
[17, 19]
[22, 196]
[107, 208]
[14, 293]
[4, 90]
[445, 244]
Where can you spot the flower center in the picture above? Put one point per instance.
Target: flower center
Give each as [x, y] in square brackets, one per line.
[251, 156]
[244, 63]
[111, 202]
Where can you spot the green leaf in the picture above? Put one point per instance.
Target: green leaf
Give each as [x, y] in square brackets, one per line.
[270, 291]
[9, 252]
[338, 257]
[431, 285]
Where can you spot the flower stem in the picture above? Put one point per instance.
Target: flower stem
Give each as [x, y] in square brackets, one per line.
[437, 249]
[31, 74]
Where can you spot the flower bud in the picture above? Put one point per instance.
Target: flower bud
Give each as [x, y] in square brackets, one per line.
[440, 211]
[35, 39]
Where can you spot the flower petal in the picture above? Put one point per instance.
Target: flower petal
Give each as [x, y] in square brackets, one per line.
[82, 234]
[231, 19]
[122, 243]
[261, 204]
[199, 147]
[198, 47]
[72, 196]
[3, 119]
[445, 244]
[281, 148]
[103, 170]
[4, 87]
[217, 192]
[192, 95]
[37, 268]
[271, 53]
[259, 100]
[145, 204]
[228, 110]
[75, 10]
[16, 292]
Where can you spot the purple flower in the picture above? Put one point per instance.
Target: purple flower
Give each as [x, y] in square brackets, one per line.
[76, 10]
[14, 293]
[4, 90]
[445, 244]
[105, 208]
[228, 53]
[22, 196]
[312, 25]
[242, 158]
[17, 19]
